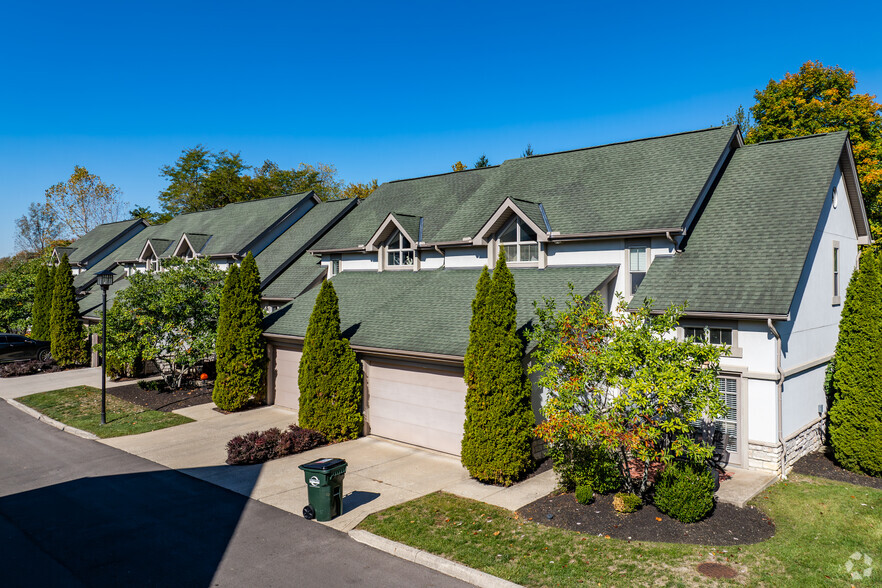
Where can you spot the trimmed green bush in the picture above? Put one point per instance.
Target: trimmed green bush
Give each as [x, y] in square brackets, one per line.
[685, 492]
[498, 431]
[855, 416]
[329, 377]
[241, 365]
[584, 493]
[576, 463]
[625, 502]
[41, 313]
[66, 330]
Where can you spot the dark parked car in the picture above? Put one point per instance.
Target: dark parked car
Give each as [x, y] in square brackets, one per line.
[21, 348]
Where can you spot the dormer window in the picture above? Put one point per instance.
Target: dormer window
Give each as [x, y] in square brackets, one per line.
[519, 242]
[399, 252]
[151, 263]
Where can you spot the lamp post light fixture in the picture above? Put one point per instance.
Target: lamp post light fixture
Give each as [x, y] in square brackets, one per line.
[105, 279]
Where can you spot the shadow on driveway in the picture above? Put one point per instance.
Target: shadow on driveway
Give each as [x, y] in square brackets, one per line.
[153, 528]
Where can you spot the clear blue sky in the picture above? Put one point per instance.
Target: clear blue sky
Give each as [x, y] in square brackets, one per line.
[381, 90]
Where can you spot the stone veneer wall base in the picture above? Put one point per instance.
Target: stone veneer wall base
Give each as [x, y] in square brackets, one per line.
[767, 456]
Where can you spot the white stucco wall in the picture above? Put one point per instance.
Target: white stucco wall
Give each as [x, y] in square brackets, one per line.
[814, 327]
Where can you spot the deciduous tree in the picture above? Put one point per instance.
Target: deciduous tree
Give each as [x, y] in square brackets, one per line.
[821, 99]
[83, 202]
[358, 190]
[169, 316]
[623, 384]
[37, 229]
[18, 278]
[459, 166]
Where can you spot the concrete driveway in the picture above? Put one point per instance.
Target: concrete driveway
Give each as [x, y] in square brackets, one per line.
[24, 385]
[380, 473]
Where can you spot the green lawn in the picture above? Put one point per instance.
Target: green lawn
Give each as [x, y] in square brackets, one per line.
[820, 524]
[80, 407]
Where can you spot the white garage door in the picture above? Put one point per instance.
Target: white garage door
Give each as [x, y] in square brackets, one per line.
[418, 404]
[286, 364]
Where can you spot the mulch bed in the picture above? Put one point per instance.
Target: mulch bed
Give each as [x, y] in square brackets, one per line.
[164, 401]
[726, 525]
[821, 464]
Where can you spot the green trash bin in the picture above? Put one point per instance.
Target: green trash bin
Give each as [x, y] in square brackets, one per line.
[324, 483]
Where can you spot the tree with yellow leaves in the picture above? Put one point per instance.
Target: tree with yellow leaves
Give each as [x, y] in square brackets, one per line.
[820, 99]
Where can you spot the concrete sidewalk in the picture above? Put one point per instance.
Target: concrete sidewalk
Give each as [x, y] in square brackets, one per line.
[380, 474]
[24, 385]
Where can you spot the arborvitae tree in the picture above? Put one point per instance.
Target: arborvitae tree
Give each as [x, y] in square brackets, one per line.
[855, 424]
[228, 302]
[476, 349]
[42, 309]
[330, 376]
[241, 376]
[68, 341]
[498, 431]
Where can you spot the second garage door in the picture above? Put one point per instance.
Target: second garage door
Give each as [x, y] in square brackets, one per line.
[419, 404]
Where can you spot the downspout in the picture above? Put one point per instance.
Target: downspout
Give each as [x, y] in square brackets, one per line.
[443, 257]
[780, 395]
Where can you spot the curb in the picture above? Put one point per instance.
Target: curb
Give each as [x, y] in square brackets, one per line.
[58, 425]
[423, 558]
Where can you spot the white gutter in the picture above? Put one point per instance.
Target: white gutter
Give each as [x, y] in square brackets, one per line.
[780, 394]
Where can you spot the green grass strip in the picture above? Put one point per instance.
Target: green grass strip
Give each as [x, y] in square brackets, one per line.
[820, 524]
[80, 407]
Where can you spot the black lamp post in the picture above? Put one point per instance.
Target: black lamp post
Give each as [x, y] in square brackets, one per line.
[105, 279]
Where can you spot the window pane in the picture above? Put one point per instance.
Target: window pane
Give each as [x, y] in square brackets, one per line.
[835, 259]
[335, 267]
[526, 233]
[509, 235]
[529, 252]
[695, 332]
[638, 259]
[721, 336]
[394, 240]
[407, 257]
[394, 258]
[511, 252]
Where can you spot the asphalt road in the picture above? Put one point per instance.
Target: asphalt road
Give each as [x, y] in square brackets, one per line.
[75, 512]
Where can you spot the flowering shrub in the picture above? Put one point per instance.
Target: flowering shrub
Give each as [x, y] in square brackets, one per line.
[258, 447]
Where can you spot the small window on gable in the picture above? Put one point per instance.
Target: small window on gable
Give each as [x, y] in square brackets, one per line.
[519, 242]
[335, 267]
[637, 266]
[399, 252]
[835, 196]
[150, 262]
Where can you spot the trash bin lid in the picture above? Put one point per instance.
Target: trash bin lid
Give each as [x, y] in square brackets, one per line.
[324, 463]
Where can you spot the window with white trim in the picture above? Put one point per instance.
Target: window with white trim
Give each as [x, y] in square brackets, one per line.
[151, 263]
[335, 267]
[714, 336]
[835, 273]
[636, 266]
[728, 423]
[399, 252]
[519, 242]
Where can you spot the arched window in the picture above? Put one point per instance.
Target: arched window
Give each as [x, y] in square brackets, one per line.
[399, 252]
[519, 242]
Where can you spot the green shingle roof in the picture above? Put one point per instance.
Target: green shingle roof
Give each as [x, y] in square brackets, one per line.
[425, 311]
[296, 278]
[649, 184]
[96, 239]
[90, 305]
[292, 243]
[748, 249]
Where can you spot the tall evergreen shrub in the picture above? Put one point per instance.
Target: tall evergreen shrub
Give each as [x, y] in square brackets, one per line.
[241, 376]
[42, 310]
[66, 330]
[498, 430]
[330, 376]
[855, 417]
[228, 301]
